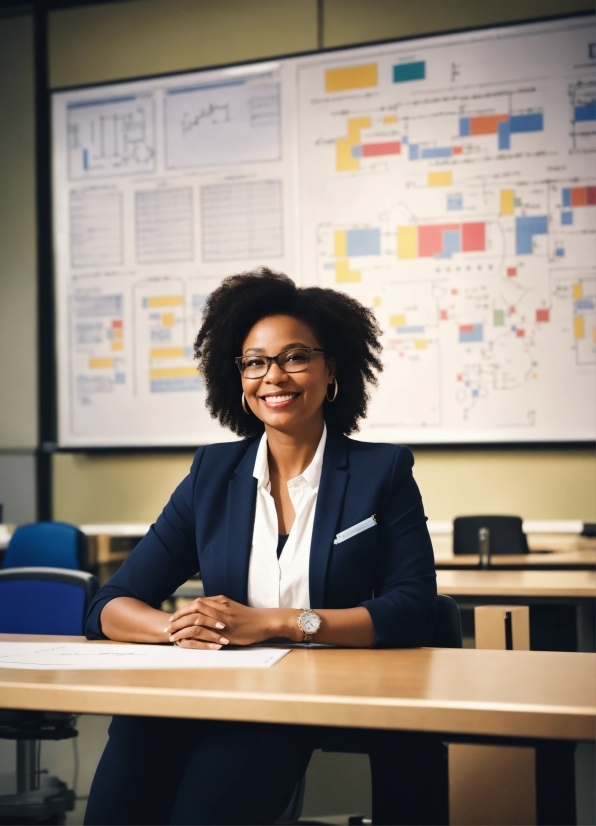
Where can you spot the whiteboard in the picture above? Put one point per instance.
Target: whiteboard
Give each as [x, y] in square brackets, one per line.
[448, 182]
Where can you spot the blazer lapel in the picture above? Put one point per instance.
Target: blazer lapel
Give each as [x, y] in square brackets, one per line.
[242, 492]
[332, 488]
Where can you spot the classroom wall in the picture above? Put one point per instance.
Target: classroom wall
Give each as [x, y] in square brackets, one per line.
[18, 291]
[110, 41]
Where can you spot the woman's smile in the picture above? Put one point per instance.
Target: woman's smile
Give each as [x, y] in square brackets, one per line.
[279, 400]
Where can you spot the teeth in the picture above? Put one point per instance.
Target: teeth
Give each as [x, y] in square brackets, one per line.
[276, 399]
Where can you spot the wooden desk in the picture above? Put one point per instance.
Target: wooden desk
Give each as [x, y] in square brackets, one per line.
[572, 553]
[569, 586]
[506, 694]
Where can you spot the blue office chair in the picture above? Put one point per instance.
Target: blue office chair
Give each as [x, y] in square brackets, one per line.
[40, 601]
[55, 544]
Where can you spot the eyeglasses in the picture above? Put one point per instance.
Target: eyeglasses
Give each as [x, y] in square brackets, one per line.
[290, 361]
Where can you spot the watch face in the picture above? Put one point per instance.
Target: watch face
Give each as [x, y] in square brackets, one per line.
[310, 622]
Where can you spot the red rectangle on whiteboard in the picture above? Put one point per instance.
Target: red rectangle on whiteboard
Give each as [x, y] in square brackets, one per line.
[369, 150]
[473, 237]
[511, 271]
[466, 328]
[542, 315]
[430, 239]
[591, 195]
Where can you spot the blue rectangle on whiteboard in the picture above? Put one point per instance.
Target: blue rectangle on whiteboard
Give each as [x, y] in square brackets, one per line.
[504, 130]
[583, 113]
[413, 151]
[566, 218]
[566, 195]
[404, 72]
[455, 202]
[533, 122]
[363, 242]
[464, 127]
[525, 230]
[475, 334]
[437, 152]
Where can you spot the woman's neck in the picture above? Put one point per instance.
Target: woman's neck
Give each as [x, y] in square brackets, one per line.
[289, 454]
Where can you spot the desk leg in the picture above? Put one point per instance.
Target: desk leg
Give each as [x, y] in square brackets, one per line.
[555, 783]
[409, 778]
[585, 621]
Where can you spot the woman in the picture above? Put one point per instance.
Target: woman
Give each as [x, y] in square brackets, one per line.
[298, 532]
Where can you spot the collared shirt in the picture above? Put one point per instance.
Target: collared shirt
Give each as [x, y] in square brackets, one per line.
[283, 582]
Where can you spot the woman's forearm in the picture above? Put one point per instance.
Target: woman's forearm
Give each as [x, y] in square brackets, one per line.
[347, 627]
[129, 620]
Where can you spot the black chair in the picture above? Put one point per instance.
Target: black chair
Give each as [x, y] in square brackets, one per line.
[505, 532]
[40, 601]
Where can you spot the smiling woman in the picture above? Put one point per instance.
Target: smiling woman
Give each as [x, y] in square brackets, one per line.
[299, 533]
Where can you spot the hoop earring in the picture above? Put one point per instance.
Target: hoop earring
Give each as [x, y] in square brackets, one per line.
[334, 392]
[248, 412]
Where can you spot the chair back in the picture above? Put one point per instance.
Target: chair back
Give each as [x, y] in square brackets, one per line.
[47, 544]
[506, 534]
[45, 600]
[447, 633]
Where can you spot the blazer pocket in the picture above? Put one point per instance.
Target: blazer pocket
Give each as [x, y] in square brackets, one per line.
[359, 527]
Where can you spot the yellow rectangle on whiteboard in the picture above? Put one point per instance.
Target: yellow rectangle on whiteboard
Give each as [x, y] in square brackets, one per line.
[440, 178]
[397, 320]
[167, 319]
[117, 332]
[344, 161]
[117, 345]
[407, 242]
[390, 119]
[579, 328]
[173, 372]
[166, 352]
[377, 301]
[340, 243]
[351, 77]
[507, 201]
[355, 127]
[420, 344]
[343, 273]
[165, 301]
[101, 363]
[577, 292]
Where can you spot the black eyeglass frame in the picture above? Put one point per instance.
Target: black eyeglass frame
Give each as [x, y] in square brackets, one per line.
[271, 359]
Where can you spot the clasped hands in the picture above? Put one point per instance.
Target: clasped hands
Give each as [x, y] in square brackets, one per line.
[213, 622]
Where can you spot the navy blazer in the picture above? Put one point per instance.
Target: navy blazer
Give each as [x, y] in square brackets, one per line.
[208, 524]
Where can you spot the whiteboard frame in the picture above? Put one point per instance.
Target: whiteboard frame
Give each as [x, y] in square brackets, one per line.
[49, 406]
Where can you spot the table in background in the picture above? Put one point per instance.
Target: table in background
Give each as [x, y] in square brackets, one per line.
[572, 593]
[547, 552]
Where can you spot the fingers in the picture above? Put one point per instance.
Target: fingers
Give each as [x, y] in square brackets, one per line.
[191, 620]
[212, 639]
[213, 607]
[198, 644]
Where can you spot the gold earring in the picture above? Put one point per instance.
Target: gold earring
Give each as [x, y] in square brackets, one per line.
[334, 392]
[248, 412]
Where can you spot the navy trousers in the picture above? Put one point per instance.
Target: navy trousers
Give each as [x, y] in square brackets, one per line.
[167, 771]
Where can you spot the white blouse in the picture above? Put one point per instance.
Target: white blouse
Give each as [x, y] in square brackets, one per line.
[283, 582]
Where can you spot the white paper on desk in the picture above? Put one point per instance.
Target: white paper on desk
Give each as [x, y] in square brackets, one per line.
[76, 656]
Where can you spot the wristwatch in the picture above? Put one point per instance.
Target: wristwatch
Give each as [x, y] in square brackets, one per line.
[309, 623]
